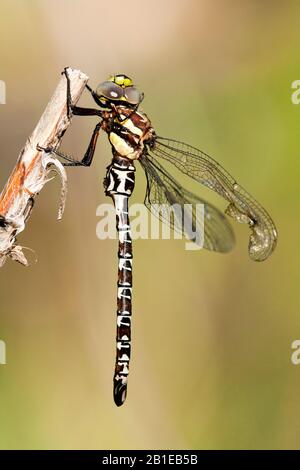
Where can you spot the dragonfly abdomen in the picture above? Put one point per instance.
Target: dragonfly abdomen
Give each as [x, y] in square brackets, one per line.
[119, 185]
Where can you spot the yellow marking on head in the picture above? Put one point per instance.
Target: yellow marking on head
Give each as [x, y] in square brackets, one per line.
[127, 82]
[120, 80]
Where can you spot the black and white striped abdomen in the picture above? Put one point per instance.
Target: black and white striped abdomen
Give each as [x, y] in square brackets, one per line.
[119, 184]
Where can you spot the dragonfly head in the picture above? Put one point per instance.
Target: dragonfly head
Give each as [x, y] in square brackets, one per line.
[119, 89]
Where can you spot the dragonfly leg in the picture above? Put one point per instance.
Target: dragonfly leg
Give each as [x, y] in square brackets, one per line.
[88, 156]
[77, 110]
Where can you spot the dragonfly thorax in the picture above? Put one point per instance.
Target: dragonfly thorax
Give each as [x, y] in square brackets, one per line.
[127, 131]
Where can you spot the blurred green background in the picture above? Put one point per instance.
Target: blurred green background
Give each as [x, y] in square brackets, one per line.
[212, 333]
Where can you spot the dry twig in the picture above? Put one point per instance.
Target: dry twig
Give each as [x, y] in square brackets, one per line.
[32, 170]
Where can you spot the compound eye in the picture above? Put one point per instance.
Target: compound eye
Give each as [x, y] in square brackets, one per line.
[110, 90]
[132, 95]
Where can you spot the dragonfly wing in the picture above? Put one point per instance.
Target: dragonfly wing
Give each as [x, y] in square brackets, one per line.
[242, 206]
[212, 227]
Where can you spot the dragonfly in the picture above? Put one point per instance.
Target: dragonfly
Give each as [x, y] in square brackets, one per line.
[133, 139]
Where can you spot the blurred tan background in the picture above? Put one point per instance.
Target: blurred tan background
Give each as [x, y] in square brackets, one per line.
[212, 333]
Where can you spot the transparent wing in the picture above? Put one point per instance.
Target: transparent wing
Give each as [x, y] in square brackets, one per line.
[210, 227]
[242, 206]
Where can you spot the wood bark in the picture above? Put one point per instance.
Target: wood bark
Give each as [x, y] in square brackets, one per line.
[33, 166]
